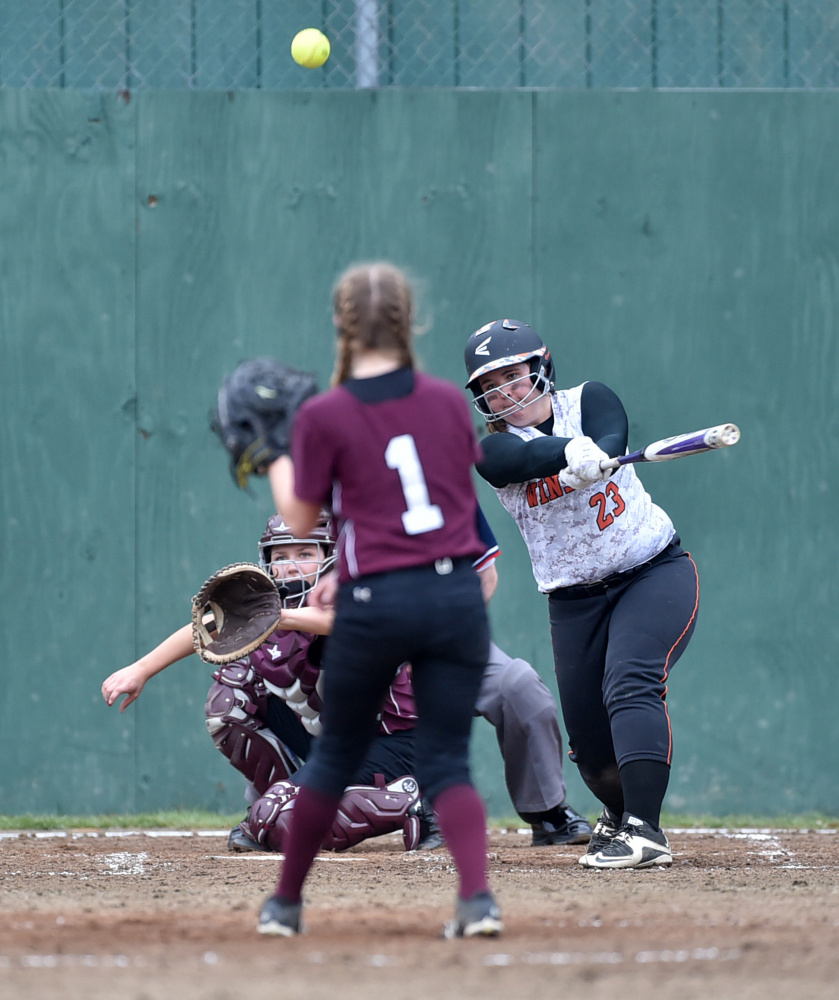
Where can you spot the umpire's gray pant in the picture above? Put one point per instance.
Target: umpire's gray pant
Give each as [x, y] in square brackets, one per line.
[514, 698]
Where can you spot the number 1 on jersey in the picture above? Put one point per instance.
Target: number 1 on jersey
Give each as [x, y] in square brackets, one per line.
[421, 515]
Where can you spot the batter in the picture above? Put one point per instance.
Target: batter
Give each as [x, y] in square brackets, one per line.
[623, 595]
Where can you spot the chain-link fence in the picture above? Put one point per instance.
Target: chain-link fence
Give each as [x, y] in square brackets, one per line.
[241, 44]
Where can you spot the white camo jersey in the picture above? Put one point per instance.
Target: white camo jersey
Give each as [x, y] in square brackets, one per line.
[581, 536]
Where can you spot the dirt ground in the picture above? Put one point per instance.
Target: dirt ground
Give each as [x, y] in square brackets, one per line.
[741, 914]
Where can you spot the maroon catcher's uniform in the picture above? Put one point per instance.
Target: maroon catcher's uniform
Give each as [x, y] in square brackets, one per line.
[263, 712]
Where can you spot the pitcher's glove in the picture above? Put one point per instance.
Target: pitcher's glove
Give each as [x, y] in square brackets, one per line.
[255, 411]
[241, 604]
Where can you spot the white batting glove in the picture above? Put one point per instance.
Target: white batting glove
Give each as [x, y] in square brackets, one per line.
[583, 468]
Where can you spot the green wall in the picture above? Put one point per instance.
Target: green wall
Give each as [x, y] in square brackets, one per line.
[681, 247]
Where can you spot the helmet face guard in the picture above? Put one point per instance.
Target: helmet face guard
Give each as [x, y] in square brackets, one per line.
[499, 345]
[294, 581]
[539, 386]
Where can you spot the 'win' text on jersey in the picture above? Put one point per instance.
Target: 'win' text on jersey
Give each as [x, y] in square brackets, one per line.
[580, 536]
[396, 473]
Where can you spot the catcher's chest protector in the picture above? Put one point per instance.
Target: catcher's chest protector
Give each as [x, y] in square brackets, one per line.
[236, 712]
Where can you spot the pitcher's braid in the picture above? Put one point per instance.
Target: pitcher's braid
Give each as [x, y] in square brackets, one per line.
[373, 307]
[348, 324]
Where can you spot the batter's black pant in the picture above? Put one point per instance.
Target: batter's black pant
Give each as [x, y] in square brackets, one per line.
[614, 644]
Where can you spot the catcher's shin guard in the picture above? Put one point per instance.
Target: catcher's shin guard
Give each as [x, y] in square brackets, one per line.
[370, 811]
[233, 704]
[365, 811]
[268, 818]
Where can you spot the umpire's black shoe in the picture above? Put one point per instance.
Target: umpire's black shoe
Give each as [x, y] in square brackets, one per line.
[560, 825]
[280, 918]
[475, 917]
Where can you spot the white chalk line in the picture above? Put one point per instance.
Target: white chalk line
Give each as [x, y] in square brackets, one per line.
[117, 863]
[89, 961]
[663, 957]
[377, 960]
[522, 831]
[94, 834]
[276, 856]
[125, 864]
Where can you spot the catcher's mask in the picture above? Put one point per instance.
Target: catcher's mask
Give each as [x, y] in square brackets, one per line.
[293, 580]
[248, 408]
[500, 344]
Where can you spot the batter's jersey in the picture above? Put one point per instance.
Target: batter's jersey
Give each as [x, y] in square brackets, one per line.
[396, 473]
[580, 536]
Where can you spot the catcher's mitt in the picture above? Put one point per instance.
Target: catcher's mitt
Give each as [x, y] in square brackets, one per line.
[245, 608]
[254, 412]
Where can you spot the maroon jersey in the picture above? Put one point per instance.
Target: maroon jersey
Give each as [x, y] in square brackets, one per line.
[399, 710]
[396, 473]
[283, 661]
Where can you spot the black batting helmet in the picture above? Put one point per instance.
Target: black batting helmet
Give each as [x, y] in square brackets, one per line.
[502, 343]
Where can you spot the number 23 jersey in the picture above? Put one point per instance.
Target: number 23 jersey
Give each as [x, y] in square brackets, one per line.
[580, 536]
[396, 471]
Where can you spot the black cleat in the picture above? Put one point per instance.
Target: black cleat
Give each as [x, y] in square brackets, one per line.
[475, 917]
[280, 918]
[605, 830]
[240, 842]
[560, 825]
[422, 832]
[635, 845]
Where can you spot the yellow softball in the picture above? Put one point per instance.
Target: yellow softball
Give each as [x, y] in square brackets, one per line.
[310, 48]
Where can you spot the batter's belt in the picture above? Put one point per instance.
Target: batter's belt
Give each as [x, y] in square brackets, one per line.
[599, 587]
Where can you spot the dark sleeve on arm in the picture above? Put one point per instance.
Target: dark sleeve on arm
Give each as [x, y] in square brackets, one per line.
[509, 459]
[484, 531]
[491, 550]
[604, 419]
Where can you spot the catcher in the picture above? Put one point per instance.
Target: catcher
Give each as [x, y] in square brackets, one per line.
[263, 708]
[253, 417]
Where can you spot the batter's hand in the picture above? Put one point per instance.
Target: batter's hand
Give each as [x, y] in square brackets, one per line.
[129, 681]
[583, 468]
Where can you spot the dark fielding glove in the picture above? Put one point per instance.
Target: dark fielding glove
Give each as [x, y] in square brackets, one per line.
[245, 608]
[254, 413]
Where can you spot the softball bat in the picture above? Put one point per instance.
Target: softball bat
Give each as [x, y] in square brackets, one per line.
[680, 445]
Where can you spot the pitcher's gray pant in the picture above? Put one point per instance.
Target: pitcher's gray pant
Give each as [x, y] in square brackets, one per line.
[515, 699]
